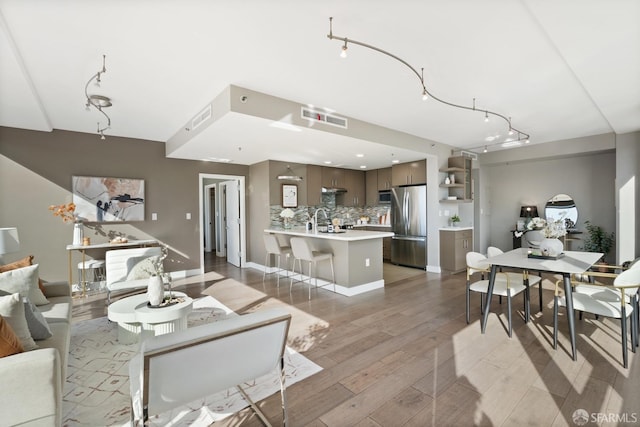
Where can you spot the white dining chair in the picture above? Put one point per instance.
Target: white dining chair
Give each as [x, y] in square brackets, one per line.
[601, 304]
[503, 285]
[525, 276]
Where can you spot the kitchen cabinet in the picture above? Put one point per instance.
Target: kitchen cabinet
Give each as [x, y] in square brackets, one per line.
[410, 173]
[384, 178]
[459, 190]
[314, 185]
[454, 246]
[354, 183]
[333, 177]
[371, 187]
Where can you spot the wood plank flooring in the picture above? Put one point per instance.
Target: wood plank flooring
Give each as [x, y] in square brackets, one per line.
[404, 356]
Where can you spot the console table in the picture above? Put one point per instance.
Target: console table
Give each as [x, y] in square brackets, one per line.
[107, 246]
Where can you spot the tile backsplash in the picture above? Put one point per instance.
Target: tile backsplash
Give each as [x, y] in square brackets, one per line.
[348, 214]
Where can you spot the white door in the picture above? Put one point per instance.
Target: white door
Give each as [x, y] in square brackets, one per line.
[232, 198]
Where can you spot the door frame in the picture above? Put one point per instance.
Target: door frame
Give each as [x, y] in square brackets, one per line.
[201, 213]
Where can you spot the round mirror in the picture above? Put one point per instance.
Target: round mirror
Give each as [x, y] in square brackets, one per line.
[562, 207]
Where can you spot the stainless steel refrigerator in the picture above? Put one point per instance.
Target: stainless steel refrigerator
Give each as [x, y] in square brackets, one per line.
[409, 220]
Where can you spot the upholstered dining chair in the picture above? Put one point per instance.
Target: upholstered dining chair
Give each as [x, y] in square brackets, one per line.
[504, 285]
[602, 304]
[302, 252]
[273, 247]
[525, 276]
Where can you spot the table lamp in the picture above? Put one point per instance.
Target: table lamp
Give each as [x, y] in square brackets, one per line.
[9, 241]
[528, 211]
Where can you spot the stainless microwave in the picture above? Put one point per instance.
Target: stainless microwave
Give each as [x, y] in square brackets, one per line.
[384, 197]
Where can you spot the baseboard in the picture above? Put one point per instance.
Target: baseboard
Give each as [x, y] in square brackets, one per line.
[339, 289]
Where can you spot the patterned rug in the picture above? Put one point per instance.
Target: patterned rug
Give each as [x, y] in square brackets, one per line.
[97, 389]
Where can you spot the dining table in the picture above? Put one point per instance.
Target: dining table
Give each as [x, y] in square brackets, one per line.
[568, 263]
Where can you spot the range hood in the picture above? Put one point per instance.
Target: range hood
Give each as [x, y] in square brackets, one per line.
[333, 190]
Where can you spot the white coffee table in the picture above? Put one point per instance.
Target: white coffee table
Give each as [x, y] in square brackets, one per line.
[136, 319]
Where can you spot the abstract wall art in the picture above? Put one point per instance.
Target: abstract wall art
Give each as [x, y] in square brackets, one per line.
[103, 199]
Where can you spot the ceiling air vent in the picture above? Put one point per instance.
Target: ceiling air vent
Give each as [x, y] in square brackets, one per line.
[463, 153]
[201, 117]
[322, 117]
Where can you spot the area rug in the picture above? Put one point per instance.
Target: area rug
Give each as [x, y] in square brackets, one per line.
[96, 392]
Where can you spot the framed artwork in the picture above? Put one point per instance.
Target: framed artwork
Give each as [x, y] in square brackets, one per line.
[102, 199]
[289, 196]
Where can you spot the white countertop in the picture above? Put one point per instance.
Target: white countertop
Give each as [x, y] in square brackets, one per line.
[455, 228]
[372, 225]
[347, 236]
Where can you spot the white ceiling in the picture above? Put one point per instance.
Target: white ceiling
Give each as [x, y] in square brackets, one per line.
[560, 68]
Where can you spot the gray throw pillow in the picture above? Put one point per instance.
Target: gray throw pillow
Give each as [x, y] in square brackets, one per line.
[36, 322]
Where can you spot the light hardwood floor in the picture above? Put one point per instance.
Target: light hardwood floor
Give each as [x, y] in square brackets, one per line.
[404, 356]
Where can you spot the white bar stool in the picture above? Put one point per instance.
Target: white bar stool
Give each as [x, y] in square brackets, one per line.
[303, 252]
[97, 268]
[272, 245]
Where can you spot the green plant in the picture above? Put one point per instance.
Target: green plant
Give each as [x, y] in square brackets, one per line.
[455, 219]
[598, 240]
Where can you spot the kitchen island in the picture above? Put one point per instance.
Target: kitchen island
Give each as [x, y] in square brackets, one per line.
[357, 257]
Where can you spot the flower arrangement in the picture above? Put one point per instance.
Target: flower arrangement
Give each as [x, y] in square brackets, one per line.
[157, 263]
[287, 213]
[550, 229]
[536, 223]
[66, 212]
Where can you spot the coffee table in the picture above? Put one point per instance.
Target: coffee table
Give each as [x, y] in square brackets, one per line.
[136, 320]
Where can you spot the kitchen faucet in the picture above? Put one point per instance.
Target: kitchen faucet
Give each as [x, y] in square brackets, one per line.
[315, 218]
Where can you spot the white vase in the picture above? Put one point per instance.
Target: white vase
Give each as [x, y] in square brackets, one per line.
[78, 233]
[551, 247]
[155, 290]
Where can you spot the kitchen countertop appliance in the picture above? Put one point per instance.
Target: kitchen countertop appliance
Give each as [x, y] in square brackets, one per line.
[409, 224]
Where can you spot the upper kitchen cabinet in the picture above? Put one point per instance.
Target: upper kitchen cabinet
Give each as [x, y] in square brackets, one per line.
[355, 185]
[384, 178]
[457, 180]
[333, 177]
[371, 187]
[410, 173]
[314, 185]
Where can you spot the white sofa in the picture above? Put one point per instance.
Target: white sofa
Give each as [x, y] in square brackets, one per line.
[32, 382]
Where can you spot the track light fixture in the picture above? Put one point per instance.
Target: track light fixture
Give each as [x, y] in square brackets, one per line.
[343, 53]
[425, 92]
[98, 101]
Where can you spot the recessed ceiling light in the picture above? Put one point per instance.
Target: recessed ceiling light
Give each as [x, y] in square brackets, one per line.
[327, 162]
[359, 155]
[395, 161]
[363, 167]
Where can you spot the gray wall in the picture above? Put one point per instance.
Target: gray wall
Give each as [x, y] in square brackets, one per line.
[36, 170]
[588, 179]
[628, 194]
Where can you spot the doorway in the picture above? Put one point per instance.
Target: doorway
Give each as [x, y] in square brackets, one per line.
[222, 218]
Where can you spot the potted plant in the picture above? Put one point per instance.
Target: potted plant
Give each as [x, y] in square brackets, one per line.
[455, 220]
[598, 240]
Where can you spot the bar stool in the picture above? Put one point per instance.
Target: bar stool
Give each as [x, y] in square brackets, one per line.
[97, 268]
[272, 245]
[303, 252]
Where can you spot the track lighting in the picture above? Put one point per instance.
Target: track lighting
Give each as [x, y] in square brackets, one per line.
[98, 101]
[485, 149]
[425, 91]
[343, 53]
